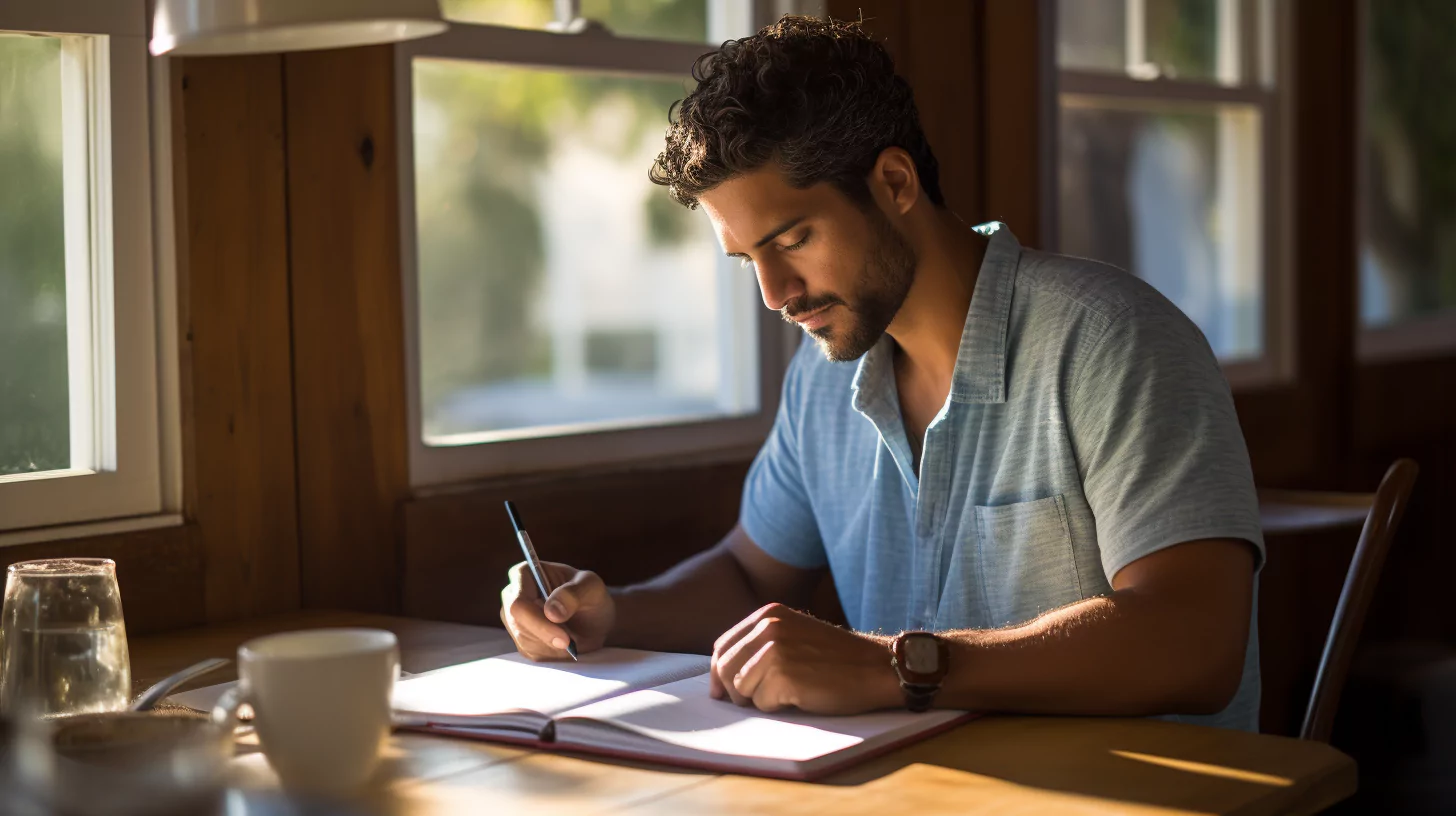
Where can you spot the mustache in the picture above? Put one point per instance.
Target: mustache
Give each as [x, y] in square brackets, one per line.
[805, 305]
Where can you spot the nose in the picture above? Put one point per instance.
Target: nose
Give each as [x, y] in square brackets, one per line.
[777, 283]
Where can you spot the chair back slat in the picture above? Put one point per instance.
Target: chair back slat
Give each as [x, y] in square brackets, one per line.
[1381, 524]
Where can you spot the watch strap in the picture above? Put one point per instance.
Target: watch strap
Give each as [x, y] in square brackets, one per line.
[919, 698]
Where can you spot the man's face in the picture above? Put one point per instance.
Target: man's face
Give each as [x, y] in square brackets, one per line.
[838, 271]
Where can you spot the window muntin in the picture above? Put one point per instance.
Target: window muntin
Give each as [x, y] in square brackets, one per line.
[88, 60]
[559, 289]
[676, 346]
[685, 20]
[1167, 114]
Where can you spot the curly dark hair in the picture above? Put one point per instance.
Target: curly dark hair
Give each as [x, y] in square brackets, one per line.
[820, 97]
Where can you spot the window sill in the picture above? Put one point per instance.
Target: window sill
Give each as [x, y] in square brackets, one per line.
[61, 532]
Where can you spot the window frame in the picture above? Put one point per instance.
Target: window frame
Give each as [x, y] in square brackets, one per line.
[1263, 76]
[1421, 337]
[602, 444]
[134, 461]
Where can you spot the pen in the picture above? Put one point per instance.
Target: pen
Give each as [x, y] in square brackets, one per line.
[534, 562]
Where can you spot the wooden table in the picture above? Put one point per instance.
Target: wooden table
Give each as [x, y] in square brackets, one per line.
[1001, 764]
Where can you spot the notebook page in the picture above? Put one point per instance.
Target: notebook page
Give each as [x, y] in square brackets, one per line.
[683, 714]
[515, 683]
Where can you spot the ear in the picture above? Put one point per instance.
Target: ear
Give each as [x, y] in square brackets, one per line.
[894, 181]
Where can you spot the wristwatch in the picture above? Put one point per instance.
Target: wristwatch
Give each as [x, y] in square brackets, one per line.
[922, 661]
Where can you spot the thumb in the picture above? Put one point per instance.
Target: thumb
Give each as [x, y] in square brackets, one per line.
[567, 599]
[562, 603]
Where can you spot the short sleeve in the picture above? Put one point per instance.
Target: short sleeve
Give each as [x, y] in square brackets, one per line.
[1158, 443]
[776, 512]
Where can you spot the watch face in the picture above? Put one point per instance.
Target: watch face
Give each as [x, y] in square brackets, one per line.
[922, 654]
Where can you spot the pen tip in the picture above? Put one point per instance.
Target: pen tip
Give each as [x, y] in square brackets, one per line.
[571, 649]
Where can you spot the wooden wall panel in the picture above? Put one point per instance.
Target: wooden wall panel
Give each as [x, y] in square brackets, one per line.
[626, 526]
[1298, 432]
[238, 392]
[1012, 115]
[160, 573]
[939, 64]
[348, 331]
[974, 67]
[1409, 409]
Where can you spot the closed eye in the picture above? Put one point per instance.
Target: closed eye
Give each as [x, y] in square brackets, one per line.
[798, 245]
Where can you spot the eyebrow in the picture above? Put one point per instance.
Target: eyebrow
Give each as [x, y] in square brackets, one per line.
[772, 234]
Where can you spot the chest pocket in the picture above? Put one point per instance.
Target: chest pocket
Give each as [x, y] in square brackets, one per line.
[1026, 559]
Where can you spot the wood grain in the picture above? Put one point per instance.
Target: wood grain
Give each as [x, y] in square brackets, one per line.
[992, 765]
[236, 335]
[1058, 765]
[348, 325]
[932, 44]
[159, 572]
[1013, 79]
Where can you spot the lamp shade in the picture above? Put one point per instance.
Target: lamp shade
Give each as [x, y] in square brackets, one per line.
[192, 27]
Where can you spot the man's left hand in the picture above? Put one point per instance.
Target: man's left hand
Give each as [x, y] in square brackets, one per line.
[779, 657]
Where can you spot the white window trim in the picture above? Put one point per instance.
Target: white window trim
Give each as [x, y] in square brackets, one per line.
[135, 424]
[1264, 84]
[602, 444]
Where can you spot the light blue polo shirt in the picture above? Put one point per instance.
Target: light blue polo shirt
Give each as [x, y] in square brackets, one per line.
[1088, 425]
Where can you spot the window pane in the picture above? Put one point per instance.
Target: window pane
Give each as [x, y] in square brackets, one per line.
[34, 406]
[557, 284]
[1174, 197]
[1173, 38]
[1092, 35]
[1182, 38]
[1408, 195]
[656, 19]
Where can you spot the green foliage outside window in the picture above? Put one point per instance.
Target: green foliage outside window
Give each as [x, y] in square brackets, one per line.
[34, 407]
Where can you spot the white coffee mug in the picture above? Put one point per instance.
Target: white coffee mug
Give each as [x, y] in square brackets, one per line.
[320, 701]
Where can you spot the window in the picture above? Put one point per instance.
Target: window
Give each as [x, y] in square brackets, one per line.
[561, 309]
[79, 421]
[1408, 179]
[1166, 121]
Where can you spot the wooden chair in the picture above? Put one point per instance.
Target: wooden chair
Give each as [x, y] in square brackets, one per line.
[1292, 511]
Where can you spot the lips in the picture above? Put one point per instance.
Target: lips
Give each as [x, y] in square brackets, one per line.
[814, 319]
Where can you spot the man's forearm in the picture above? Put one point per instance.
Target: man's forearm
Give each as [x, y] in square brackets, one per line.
[686, 608]
[1126, 654]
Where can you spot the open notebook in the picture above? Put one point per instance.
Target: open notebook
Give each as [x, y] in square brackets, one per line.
[645, 705]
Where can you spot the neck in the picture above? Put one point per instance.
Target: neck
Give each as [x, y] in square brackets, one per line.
[929, 325]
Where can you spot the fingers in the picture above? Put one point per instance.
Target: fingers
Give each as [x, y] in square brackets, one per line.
[773, 690]
[535, 636]
[566, 599]
[717, 688]
[521, 582]
[759, 680]
[730, 660]
[730, 668]
[751, 680]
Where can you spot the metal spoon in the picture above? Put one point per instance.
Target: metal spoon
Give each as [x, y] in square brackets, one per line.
[154, 695]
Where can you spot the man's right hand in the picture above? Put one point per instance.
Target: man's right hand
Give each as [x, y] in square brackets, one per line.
[579, 607]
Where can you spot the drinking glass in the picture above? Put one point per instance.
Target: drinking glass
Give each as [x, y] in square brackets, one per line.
[62, 638]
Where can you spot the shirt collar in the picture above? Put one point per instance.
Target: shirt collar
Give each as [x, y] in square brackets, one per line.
[980, 369]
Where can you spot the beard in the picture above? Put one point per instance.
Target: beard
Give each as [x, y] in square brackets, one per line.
[881, 288]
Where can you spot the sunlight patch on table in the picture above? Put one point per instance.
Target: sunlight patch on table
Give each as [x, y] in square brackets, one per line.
[1207, 769]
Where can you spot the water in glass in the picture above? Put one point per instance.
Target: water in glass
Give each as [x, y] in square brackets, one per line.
[64, 641]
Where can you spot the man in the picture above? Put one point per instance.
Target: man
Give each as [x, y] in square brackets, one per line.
[1031, 490]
